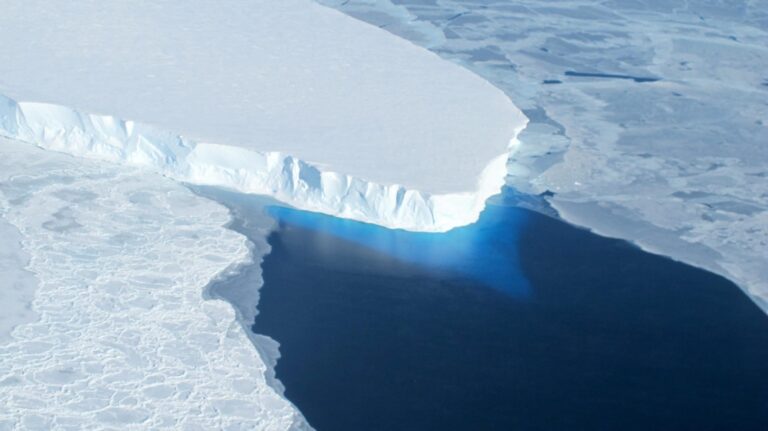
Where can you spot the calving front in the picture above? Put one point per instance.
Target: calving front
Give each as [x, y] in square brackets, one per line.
[282, 176]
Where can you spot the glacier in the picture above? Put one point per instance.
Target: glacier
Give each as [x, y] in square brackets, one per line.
[290, 98]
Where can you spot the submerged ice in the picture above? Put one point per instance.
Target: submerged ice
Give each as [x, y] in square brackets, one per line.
[655, 130]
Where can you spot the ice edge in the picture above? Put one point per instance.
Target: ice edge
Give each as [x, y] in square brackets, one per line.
[284, 177]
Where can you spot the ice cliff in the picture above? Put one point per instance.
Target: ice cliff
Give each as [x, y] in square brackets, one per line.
[320, 110]
[272, 173]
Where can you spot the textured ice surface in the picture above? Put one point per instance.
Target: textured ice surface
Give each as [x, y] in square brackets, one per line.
[125, 338]
[649, 119]
[289, 76]
[17, 286]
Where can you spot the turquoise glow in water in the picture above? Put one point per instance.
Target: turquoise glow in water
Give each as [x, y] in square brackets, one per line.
[520, 322]
[517, 322]
[476, 252]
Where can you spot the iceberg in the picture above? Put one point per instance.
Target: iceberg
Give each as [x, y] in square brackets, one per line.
[290, 99]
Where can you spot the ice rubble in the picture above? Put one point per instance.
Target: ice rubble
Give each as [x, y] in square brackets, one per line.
[304, 103]
[125, 338]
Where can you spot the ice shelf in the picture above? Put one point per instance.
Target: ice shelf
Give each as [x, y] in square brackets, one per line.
[287, 98]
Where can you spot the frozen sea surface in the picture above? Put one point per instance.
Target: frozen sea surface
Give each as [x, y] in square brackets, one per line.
[17, 285]
[123, 336]
[649, 119]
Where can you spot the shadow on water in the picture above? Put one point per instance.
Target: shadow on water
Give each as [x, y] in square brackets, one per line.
[520, 322]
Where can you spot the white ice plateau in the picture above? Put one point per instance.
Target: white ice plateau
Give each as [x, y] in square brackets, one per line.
[286, 98]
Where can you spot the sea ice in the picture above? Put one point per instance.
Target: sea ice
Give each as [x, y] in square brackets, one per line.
[17, 286]
[648, 120]
[124, 336]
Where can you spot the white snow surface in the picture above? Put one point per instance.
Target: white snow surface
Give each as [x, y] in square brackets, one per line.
[125, 337]
[287, 97]
[17, 286]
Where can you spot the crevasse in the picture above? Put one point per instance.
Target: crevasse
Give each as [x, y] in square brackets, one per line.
[286, 178]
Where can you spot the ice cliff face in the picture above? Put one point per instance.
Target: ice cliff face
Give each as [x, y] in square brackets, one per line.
[398, 135]
[276, 174]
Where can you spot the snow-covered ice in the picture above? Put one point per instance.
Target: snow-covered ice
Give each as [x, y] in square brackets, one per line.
[17, 285]
[648, 119]
[384, 129]
[124, 336]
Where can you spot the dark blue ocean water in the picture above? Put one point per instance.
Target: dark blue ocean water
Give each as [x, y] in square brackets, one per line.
[519, 322]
